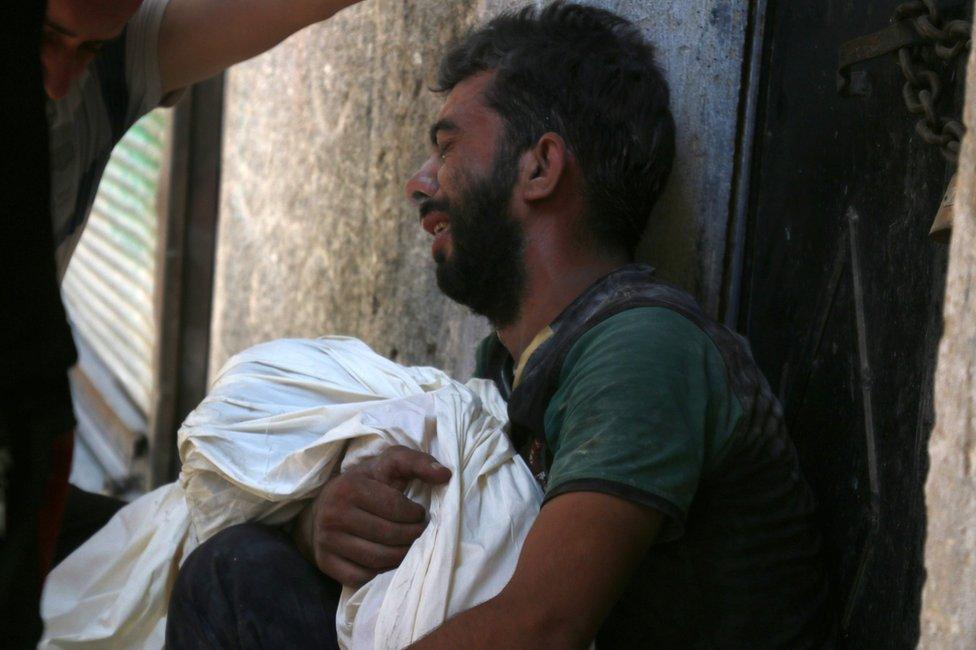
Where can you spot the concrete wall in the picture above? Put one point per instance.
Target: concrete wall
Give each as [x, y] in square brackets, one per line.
[321, 133]
[949, 598]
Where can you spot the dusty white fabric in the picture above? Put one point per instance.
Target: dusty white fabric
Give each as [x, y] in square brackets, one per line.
[277, 420]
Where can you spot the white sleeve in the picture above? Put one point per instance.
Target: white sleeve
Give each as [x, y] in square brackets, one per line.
[142, 73]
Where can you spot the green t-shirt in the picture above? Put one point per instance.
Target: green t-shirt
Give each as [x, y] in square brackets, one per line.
[644, 408]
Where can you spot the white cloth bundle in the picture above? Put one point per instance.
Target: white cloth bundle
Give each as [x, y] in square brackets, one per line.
[277, 420]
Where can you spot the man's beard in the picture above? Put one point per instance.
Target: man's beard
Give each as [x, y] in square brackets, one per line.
[486, 270]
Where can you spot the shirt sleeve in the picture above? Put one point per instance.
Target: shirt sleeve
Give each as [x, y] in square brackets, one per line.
[642, 407]
[142, 73]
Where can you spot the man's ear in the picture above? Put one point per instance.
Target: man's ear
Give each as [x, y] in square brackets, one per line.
[542, 167]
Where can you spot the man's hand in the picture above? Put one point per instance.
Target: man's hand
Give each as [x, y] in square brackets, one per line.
[199, 38]
[360, 524]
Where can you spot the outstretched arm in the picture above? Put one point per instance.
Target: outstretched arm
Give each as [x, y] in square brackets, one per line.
[577, 560]
[199, 38]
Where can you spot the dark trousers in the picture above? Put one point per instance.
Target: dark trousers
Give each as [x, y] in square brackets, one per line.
[248, 587]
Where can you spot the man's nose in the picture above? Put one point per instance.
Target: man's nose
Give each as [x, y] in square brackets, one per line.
[423, 184]
[59, 70]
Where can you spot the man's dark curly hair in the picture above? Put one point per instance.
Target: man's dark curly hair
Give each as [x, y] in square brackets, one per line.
[588, 75]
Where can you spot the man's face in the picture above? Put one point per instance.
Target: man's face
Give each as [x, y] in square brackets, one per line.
[463, 192]
[74, 32]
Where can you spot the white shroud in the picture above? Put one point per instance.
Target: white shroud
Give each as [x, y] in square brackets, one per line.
[278, 419]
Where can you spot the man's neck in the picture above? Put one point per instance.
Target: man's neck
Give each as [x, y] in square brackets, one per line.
[553, 282]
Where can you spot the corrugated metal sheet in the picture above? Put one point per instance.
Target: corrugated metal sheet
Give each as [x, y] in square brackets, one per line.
[109, 285]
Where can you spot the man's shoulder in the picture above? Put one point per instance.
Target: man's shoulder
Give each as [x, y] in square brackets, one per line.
[647, 365]
[643, 335]
[628, 315]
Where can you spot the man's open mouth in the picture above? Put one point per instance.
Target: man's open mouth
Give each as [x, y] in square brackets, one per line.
[435, 221]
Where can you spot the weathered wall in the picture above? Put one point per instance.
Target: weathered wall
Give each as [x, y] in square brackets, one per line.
[321, 133]
[949, 598]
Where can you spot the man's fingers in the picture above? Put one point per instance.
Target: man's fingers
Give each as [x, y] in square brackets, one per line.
[369, 555]
[381, 500]
[373, 528]
[342, 570]
[399, 464]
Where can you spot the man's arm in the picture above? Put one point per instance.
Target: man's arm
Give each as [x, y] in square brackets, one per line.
[577, 560]
[199, 38]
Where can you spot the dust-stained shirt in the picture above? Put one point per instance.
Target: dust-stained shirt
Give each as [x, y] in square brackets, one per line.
[635, 393]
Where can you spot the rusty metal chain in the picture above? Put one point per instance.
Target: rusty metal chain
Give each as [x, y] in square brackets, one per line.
[942, 41]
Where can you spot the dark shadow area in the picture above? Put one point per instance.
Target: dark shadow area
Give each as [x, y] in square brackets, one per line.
[842, 300]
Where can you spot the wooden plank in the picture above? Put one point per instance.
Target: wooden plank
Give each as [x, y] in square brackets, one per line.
[189, 216]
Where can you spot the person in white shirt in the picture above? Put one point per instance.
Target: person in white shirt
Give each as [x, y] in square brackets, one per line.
[109, 62]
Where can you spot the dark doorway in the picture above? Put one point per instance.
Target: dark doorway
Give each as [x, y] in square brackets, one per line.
[842, 298]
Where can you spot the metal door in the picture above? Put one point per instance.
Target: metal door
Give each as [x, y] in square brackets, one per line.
[842, 294]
